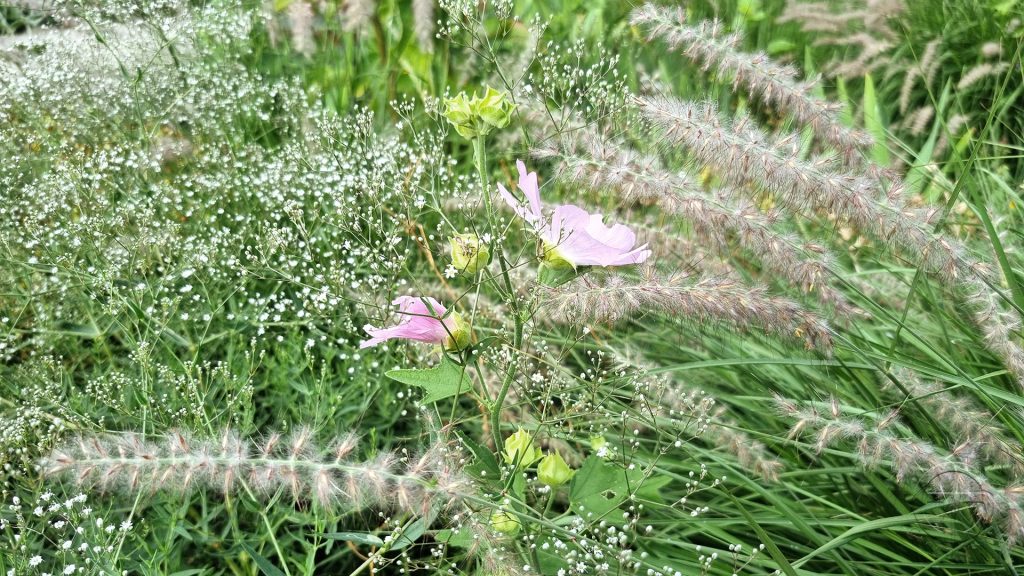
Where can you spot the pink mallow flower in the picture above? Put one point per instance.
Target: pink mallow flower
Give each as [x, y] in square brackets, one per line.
[423, 320]
[574, 236]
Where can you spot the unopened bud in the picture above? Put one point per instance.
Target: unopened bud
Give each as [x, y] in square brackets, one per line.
[469, 254]
[553, 471]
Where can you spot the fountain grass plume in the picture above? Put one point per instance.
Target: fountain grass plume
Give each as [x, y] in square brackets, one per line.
[879, 443]
[704, 301]
[710, 47]
[722, 219]
[328, 474]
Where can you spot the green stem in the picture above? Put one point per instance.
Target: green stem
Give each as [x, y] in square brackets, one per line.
[506, 383]
[550, 502]
[270, 532]
[480, 157]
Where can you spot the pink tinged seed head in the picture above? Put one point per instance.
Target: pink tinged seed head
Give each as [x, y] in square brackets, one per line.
[574, 235]
[422, 319]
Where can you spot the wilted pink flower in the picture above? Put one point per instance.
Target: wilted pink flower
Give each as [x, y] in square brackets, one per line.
[574, 236]
[423, 320]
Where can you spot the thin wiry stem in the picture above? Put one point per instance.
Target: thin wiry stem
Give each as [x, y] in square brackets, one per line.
[709, 46]
[705, 300]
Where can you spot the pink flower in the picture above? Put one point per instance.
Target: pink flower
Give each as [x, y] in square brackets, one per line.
[573, 235]
[423, 320]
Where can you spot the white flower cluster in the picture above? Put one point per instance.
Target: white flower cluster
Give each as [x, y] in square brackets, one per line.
[146, 200]
[53, 536]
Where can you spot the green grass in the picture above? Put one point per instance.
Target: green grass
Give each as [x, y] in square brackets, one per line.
[226, 286]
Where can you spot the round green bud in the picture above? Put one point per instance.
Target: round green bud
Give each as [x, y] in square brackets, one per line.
[520, 450]
[461, 333]
[553, 471]
[505, 523]
[469, 254]
[458, 110]
[478, 115]
[494, 108]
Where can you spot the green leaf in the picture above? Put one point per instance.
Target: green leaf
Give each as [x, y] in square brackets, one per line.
[357, 537]
[597, 488]
[485, 466]
[262, 563]
[651, 487]
[445, 380]
[549, 560]
[519, 485]
[554, 277]
[600, 487]
[776, 47]
[461, 539]
[411, 534]
[1005, 7]
[873, 123]
[909, 522]
[846, 114]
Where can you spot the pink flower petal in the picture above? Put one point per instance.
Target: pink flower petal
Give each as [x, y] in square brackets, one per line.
[529, 187]
[579, 237]
[617, 235]
[417, 323]
[531, 211]
[584, 240]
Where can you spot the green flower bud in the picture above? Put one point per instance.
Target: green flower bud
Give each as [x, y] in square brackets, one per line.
[553, 471]
[461, 334]
[505, 523]
[494, 108]
[469, 254]
[458, 110]
[467, 131]
[600, 446]
[478, 115]
[550, 256]
[519, 449]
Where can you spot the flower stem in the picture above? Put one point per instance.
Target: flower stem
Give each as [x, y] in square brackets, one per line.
[510, 373]
[480, 157]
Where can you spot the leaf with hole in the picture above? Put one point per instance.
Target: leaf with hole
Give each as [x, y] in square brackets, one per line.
[597, 488]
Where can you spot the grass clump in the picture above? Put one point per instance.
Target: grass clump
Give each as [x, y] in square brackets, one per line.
[504, 288]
